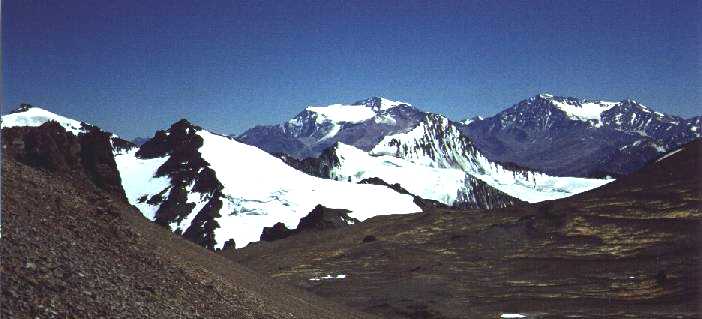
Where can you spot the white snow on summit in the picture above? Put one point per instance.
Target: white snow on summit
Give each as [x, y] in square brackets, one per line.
[339, 113]
[386, 104]
[342, 113]
[35, 116]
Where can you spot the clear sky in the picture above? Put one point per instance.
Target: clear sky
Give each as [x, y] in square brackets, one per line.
[136, 66]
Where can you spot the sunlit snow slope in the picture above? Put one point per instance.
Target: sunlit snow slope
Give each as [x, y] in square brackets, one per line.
[441, 184]
[258, 190]
[27, 115]
[436, 142]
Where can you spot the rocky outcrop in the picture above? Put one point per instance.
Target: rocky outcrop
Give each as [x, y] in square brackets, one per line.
[276, 232]
[52, 148]
[187, 172]
[319, 219]
[323, 218]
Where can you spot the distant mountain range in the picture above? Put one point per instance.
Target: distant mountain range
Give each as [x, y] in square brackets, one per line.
[572, 137]
[561, 136]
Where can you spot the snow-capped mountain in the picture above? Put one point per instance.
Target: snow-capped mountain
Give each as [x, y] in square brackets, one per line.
[434, 160]
[438, 143]
[27, 115]
[44, 139]
[361, 124]
[447, 185]
[212, 188]
[32, 116]
[573, 137]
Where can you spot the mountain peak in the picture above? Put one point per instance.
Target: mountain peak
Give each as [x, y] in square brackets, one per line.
[23, 108]
[184, 125]
[29, 115]
[379, 103]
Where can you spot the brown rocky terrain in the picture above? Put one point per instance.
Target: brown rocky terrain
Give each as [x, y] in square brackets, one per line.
[72, 247]
[630, 249]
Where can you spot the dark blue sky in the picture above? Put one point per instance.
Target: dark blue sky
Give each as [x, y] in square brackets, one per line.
[135, 66]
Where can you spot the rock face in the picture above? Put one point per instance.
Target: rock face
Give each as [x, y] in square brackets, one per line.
[572, 137]
[49, 146]
[319, 219]
[323, 218]
[72, 247]
[628, 249]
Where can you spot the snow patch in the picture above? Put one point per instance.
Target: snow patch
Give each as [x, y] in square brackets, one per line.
[328, 277]
[138, 180]
[384, 119]
[588, 110]
[669, 154]
[343, 113]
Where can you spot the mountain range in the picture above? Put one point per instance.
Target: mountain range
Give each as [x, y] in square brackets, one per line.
[372, 157]
[561, 136]
[411, 219]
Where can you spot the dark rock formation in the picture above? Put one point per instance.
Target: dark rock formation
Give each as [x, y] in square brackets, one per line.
[319, 219]
[276, 232]
[52, 148]
[369, 239]
[98, 160]
[184, 167]
[323, 218]
[229, 245]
